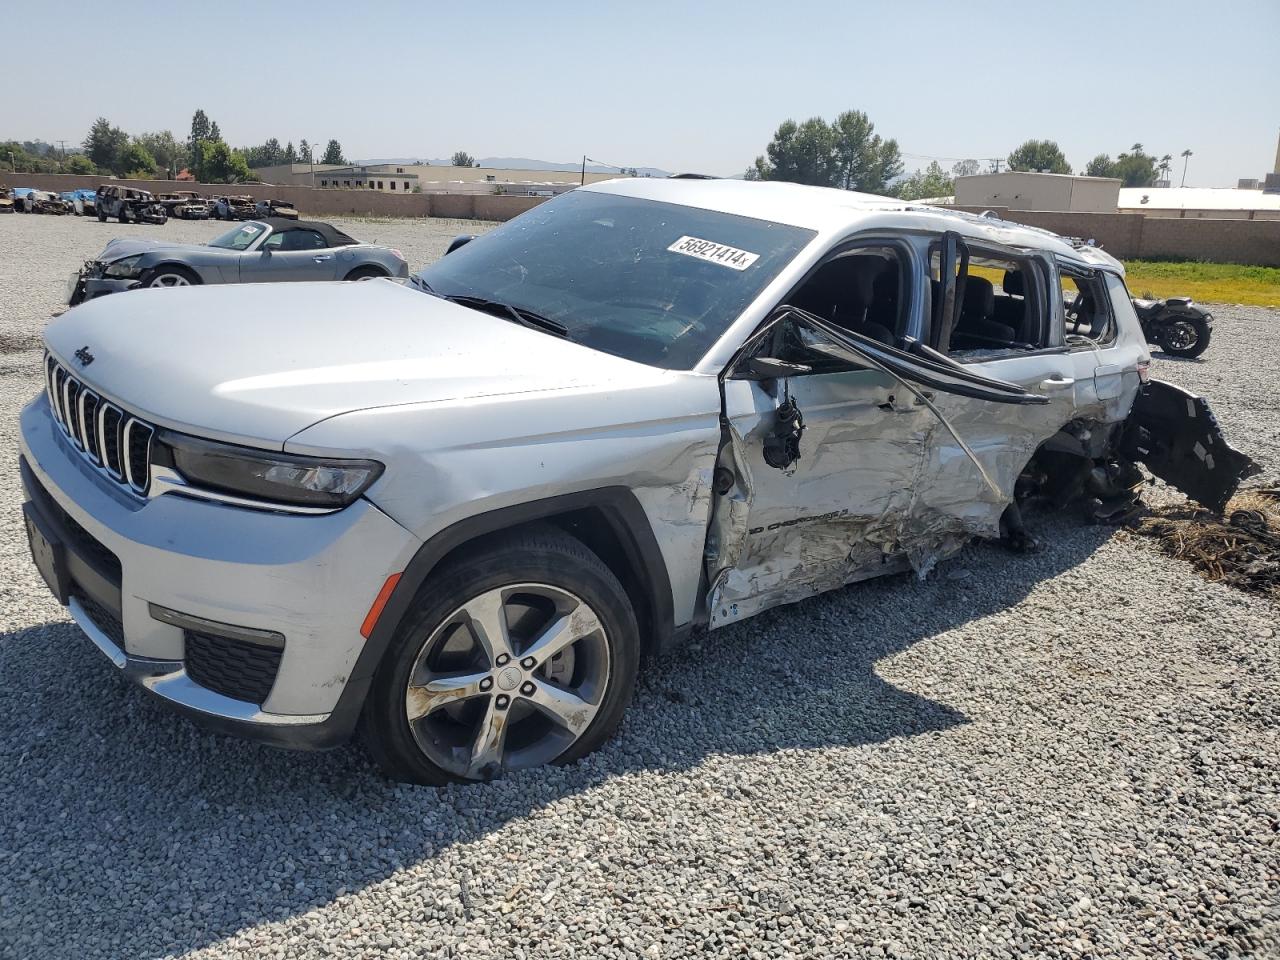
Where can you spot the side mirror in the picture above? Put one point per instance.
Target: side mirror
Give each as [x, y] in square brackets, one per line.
[461, 240]
[769, 368]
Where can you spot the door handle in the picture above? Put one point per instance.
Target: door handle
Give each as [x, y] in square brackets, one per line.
[1057, 383]
[323, 257]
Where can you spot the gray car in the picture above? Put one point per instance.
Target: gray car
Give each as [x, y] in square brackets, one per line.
[461, 510]
[256, 251]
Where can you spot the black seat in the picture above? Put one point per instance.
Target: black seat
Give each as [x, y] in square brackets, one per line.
[882, 315]
[1011, 309]
[976, 329]
[842, 292]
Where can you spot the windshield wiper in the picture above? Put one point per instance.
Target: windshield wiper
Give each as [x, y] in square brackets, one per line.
[520, 315]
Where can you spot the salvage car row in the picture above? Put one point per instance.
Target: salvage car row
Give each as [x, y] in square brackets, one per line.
[459, 509]
[135, 205]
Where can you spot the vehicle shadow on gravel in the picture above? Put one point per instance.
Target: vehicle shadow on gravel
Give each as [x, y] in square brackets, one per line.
[131, 832]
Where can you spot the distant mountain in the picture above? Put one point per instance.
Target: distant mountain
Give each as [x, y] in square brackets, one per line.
[524, 163]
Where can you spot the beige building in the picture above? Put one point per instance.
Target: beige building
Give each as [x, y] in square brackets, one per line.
[1038, 191]
[427, 178]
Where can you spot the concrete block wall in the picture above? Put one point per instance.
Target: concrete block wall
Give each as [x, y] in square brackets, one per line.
[1129, 236]
[1133, 236]
[311, 202]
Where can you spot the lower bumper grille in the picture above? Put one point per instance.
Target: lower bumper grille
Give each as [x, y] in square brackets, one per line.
[102, 618]
[234, 668]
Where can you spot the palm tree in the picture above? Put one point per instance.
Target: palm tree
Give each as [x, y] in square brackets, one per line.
[1186, 158]
[1165, 162]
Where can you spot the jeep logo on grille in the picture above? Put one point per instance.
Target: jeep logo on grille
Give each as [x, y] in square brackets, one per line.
[84, 356]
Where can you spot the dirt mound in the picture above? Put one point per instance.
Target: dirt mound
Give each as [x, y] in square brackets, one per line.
[1240, 548]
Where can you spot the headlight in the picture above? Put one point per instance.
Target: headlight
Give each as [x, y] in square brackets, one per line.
[126, 269]
[260, 475]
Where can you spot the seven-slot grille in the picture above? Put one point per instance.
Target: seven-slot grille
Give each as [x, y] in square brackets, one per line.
[110, 438]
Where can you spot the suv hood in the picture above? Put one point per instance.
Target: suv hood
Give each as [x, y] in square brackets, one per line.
[257, 363]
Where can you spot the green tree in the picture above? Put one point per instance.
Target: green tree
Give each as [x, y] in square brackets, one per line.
[800, 153]
[863, 159]
[14, 157]
[333, 153]
[1100, 166]
[170, 155]
[199, 133]
[137, 163]
[463, 159]
[214, 132]
[290, 154]
[966, 168]
[265, 155]
[1135, 167]
[846, 153]
[79, 163]
[1038, 156]
[926, 184]
[105, 144]
[220, 164]
[304, 152]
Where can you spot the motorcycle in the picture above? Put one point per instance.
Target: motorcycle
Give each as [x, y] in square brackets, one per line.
[1177, 325]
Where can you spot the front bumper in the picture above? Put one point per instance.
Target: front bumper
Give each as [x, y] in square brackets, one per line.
[310, 579]
[87, 288]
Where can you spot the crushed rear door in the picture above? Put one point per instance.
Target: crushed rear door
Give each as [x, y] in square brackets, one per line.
[1176, 435]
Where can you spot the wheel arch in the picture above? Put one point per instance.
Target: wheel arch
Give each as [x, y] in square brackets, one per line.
[374, 270]
[609, 521]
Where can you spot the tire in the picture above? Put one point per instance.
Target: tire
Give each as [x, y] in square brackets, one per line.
[170, 276]
[124, 214]
[1187, 337]
[102, 216]
[364, 273]
[542, 577]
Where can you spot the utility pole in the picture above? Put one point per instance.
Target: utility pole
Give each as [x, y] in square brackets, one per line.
[1186, 158]
[583, 181]
[64, 148]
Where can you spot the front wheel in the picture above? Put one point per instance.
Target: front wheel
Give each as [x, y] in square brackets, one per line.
[517, 655]
[364, 273]
[170, 277]
[102, 216]
[1187, 337]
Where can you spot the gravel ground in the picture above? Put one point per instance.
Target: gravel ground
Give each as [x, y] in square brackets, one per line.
[1071, 754]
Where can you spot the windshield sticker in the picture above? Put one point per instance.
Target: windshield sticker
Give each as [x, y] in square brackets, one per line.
[250, 229]
[713, 252]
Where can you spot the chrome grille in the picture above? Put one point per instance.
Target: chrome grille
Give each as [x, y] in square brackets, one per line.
[107, 436]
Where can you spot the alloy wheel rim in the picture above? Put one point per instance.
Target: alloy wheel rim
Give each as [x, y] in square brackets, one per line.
[1182, 336]
[510, 680]
[170, 280]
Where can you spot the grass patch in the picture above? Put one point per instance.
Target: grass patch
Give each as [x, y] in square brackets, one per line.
[1209, 282]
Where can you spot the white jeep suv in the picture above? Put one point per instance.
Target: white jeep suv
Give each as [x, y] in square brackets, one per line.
[461, 510]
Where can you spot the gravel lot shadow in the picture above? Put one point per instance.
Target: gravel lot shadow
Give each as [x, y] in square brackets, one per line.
[132, 831]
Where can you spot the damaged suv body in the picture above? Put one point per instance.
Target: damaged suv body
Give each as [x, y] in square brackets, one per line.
[460, 509]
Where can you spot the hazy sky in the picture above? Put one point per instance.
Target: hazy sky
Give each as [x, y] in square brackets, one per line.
[682, 86]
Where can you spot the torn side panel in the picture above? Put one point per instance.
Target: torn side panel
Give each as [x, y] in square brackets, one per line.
[1175, 434]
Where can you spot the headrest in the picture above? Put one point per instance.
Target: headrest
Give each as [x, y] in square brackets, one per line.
[979, 297]
[1013, 283]
[886, 283]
